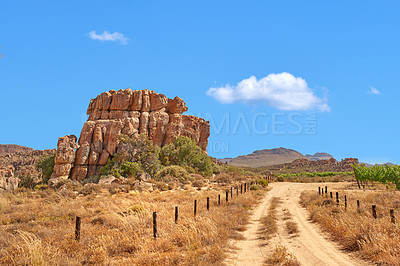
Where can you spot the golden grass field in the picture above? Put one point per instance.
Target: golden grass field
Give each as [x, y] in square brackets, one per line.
[37, 227]
[377, 240]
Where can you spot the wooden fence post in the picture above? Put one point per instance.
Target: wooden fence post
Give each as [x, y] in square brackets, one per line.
[155, 224]
[374, 211]
[326, 190]
[208, 203]
[244, 187]
[331, 195]
[219, 199]
[345, 202]
[319, 190]
[237, 190]
[176, 214]
[227, 196]
[231, 192]
[392, 219]
[358, 205]
[195, 207]
[78, 228]
[241, 188]
[337, 198]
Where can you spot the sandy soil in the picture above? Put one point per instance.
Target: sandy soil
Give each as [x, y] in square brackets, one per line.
[310, 245]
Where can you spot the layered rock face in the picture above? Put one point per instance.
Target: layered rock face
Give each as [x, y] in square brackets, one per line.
[125, 112]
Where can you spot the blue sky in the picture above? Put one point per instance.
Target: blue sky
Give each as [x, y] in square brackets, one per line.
[332, 55]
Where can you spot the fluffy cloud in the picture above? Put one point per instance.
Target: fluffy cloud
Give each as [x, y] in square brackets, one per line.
[374, 91]
[106, 36]
[282, 91]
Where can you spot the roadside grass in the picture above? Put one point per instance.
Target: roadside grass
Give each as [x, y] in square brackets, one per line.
[282, 257]
[270, 227]
[377, 240]
[37, 227]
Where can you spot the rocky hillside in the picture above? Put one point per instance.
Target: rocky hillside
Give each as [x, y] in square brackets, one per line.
[18, 164]
[12, 148]
[305, 165]
[125, 112]
[319, 156]
[267, 157]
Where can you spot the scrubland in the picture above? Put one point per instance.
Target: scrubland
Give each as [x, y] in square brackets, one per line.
[37, 227]
[377, 240]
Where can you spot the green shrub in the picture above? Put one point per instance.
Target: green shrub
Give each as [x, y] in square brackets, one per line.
[262, 182]
[27, 181]
[137, 155]
[173, 171]
[46, 164]
[280, 179]
[186, 153]
[254, 187]
[40, 187]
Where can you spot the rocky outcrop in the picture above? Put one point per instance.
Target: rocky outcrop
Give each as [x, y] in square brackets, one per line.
[65, 157]
[125, 112]
[7, 179]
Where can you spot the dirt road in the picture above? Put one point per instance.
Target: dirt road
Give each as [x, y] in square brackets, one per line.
[310, 246]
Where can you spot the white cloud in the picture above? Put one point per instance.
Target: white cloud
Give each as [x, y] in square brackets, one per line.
[106, 36]
[374, 91]
[282, 91]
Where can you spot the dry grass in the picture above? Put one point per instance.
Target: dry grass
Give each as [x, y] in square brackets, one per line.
[282, 257]
[37, 227]
[377, 240]
[270, 228]
[292, 228]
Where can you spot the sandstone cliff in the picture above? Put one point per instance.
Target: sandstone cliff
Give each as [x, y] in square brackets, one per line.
[125, 112]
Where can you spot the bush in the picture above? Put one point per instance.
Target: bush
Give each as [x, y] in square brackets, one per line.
[173, 171]
[40, 187]
[135, 155]
[186, 153]
[254, 187]
[198, 183]
[46, 164]
[26, 182]
[262, 182]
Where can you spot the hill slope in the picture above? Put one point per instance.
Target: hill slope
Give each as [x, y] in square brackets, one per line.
[319, 156]
[12, 148]
[267, 157]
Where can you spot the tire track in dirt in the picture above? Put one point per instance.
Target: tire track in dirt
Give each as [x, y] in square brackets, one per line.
[310, 246]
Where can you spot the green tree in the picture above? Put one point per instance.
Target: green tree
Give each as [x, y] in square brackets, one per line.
[46, 164]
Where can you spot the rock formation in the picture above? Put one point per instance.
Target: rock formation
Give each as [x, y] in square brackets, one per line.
[65, 157]
[7, 179]
[125, 112]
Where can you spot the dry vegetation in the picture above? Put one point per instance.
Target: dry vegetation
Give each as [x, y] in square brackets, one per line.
[270, 227]
[37, 227]
[281, 257]
[317, 179]
[377, 240]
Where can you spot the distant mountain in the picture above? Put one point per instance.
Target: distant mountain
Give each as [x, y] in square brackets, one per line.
[12, 148]
[369, 165]
[225, 160]
[267, 157]
[319, 156]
